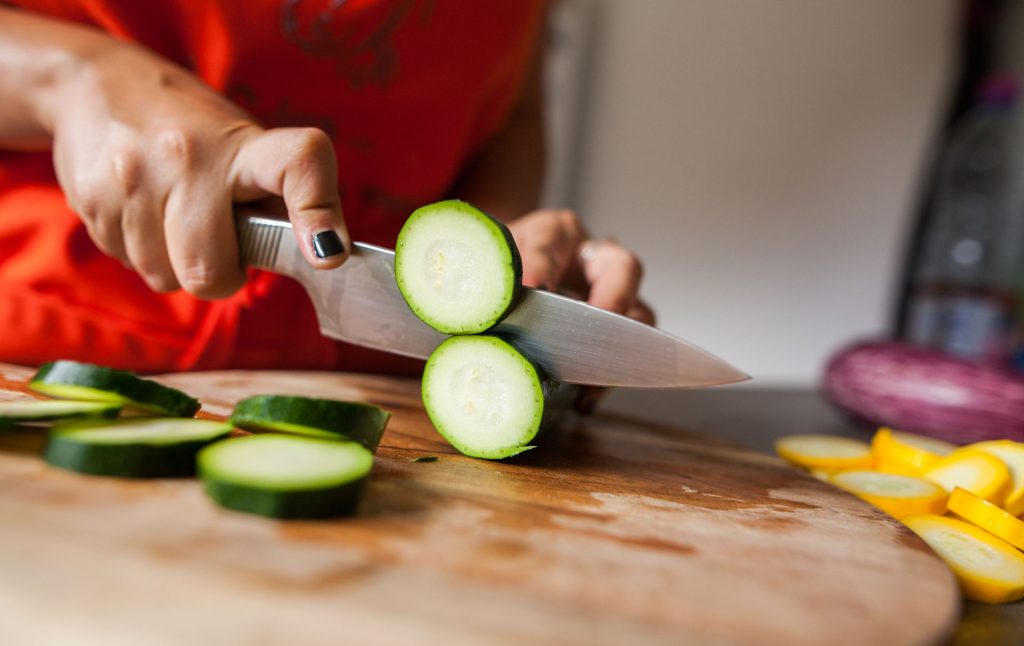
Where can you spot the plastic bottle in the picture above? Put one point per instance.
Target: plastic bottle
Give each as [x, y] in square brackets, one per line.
[964, 299]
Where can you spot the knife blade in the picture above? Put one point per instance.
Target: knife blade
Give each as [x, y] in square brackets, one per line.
[572, 341]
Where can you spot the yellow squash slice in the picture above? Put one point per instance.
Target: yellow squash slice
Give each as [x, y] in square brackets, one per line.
[988, 568]
[1011, 453]
[828, 452]
[978, 472]
[987, 516]
[894, 494]
[906, 453]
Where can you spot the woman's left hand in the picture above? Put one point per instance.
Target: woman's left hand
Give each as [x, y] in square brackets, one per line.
[558, 255]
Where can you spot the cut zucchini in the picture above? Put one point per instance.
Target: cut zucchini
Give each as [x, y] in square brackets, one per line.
[457, 267]
[486, 398]
[827, 452]
[285, 476]
[325, 418]
[86, 382]
[896, 495]
[43, 410]
[978, 472]
[987, 516]
[1012, 455]
[141, 447]
[906, 453]
[987, 568]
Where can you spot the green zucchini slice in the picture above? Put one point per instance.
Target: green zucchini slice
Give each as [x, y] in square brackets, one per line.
[457, 267]
[86, 382]
[286, 476]
[141, 447]
[486, 398]
[324, 418]
[44, 410]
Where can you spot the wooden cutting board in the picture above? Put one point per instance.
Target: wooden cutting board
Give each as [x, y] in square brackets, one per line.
[614, 532]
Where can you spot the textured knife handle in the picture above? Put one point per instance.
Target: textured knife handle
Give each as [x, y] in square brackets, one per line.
[263, 241]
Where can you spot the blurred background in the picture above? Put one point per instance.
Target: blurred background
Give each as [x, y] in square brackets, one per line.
[799, 174]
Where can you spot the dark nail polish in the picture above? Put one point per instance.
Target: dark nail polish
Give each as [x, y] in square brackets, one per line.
[328, 243]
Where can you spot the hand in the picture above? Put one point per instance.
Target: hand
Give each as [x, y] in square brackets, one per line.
[557, 254]
[152, 160]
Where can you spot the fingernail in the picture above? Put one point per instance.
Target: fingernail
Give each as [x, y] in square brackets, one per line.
[327, 244]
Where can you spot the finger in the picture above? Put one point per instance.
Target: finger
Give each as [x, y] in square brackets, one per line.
[201, 241]
[105, 231]
[548, 241]
[613, 274]
[639, 311]
[298, 164]
[588, 398]
[99, 208]
[146, 244]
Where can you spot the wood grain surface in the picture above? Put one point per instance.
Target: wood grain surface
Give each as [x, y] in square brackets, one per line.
[613, 532]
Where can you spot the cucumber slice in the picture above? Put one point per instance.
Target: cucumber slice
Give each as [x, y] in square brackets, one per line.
[86, 382]
[486, 398]
[457, 267]
[40, 410]
[286, 476]
[325, 418]
[132, 448]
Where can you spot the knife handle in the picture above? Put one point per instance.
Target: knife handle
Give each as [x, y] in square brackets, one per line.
[264, 242]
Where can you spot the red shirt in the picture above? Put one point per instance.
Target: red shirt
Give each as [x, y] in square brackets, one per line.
[408, 90]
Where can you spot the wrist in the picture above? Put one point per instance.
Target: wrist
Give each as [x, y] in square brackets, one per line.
[68, 71]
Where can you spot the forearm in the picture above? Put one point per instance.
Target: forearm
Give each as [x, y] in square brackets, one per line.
[36, 55]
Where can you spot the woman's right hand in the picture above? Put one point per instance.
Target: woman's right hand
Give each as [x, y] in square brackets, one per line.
[152, 160]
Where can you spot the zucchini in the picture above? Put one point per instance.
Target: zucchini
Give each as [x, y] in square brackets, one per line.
[285, 476]
[42, 410]
[457, 267]
[324, 418]
[86, 382]
[828, 452]
[132, 448]
[486, 398]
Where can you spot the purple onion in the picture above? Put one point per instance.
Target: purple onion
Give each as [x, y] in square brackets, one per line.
[922, 391]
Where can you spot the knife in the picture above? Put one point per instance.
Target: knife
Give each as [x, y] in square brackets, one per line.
[572, 341]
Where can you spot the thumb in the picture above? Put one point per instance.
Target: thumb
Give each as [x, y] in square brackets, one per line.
[299, 165]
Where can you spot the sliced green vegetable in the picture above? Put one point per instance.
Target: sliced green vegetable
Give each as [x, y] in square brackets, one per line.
[486, 398]
[457, 267]
[325, 418]
[140, 447]
[425, 458]
[286, 476]
[86, 382]
[41, 410]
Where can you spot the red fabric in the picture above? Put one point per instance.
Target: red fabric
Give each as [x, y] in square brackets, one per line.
[407, 89]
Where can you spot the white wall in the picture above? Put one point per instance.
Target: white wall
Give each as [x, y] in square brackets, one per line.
[763, 156]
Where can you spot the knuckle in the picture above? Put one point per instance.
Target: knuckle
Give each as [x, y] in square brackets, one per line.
[158, 281]
[198, 278]
[568, 219]
[84, 198]
[312, 142]
[177, 145]
[311, 149]
[205, 281]
[624, 258]
[127, 169]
